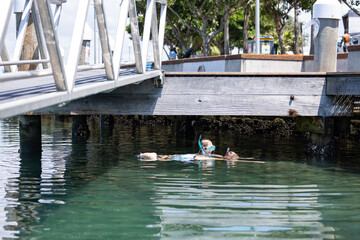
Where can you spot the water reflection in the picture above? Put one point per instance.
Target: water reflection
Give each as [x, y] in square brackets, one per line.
[56, 144]
[233, 209]
[9, 169]
[96, 188]
[28, 193]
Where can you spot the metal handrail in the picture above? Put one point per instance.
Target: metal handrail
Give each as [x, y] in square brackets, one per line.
[23, 62]
[46, 27]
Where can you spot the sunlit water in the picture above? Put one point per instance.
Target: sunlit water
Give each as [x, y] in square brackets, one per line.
[97, 189]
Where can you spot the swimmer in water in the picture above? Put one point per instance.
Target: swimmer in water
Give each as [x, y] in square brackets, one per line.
[205, 153]
[206, 150]
[230, 155]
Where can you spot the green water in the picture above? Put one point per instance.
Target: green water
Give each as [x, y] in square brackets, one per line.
[97, 189]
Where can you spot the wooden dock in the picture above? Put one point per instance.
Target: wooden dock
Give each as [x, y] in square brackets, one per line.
[235, 94]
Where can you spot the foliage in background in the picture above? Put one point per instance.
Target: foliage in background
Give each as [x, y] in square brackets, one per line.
[205, 17]
[200, 24]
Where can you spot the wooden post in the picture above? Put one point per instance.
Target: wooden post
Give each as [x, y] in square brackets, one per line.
[60, 118]
[30, 47]
[106, 124]
[30, 134]
[79, 128]
[29, 126]
[321, 131]
[342, 126]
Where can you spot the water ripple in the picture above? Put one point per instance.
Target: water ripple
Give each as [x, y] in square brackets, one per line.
[97, 189]
[247, 210]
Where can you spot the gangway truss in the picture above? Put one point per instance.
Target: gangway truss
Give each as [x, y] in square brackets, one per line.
[58, 81]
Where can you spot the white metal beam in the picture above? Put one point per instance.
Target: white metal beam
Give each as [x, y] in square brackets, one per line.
[5, 57]
[57, 15]
[162, 25]
[119, 41]
[76, 43]
[147, 28]
[135, 36]
[5, 13]
[52, 44]
[21, 33]
[23, 62]
[46, 22]
[104, 39]
[41, 73]
[155, 39]
[40, 34]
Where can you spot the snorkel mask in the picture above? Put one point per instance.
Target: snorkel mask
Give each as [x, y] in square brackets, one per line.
[207, 149]
[210, 149]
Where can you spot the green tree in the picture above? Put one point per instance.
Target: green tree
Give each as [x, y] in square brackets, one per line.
[279, 11]
[242, 25]
[289, 36]
[210, 15]
[179, 33]
[299, 5]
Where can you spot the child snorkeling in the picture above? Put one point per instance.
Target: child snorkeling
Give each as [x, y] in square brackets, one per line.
[206, 150]
[205, 153]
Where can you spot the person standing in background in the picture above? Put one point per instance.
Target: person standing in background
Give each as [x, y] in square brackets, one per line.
[173, 52]
[346, 40]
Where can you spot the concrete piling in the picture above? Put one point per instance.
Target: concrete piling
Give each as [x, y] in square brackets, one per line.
[328, 14]
[325, 58]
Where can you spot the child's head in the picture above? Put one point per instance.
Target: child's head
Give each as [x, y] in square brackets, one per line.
[207, 147]
[231, 156]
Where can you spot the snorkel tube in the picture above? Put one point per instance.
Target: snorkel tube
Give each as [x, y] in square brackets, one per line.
[201, 148]
[227, 151]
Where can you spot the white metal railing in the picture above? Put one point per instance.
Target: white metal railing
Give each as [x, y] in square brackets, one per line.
[46, 22]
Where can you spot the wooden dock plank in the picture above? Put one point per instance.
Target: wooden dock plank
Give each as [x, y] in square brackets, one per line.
[238, 94]
[242, 96]
[343, 84]
[245, 85]
[244, 105]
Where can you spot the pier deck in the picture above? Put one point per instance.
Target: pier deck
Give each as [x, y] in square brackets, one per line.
[237, 94]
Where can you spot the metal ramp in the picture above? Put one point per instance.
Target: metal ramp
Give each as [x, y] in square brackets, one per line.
[26, 96]
[58, 81]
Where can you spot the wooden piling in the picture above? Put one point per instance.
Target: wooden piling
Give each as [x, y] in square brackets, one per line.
[30, 134]
[79, 127]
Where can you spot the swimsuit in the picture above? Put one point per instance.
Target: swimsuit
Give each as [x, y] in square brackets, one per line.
[183, 157]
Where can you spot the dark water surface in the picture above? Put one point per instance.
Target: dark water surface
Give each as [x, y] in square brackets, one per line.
[97, 189]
